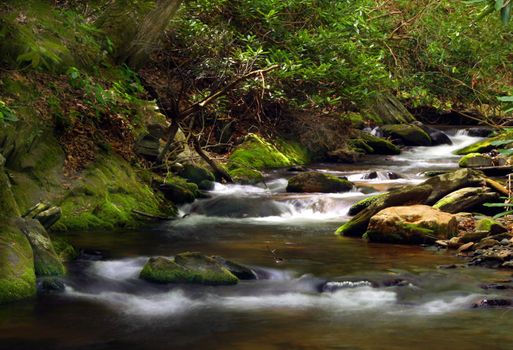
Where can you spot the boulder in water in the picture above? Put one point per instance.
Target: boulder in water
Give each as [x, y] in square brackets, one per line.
[475, 160]
[408, 135]
[465, 199]
[192, 268]
[416, 224]
[198, 175]
[238, 207]
[486, 145]
[479, 132]
[179, 191]
[405, 195]
[438, 137]
[311, 182]
[238, 270]
[372, 144]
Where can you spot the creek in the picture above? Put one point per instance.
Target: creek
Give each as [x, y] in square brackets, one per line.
[378, 296]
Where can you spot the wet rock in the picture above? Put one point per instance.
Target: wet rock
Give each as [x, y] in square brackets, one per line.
[408, 135]
[371, 144]
[479, 132]
[438, 137]
[198, 175]
[237, 207]
[454, 243]
[396, 282]
[473, 237]
[442, 243]
[317, 182]
[240, 271]
[46, 261]
[192, 268]
[364, 203]
[492, 303]
[416, 224]
[405, 195]
[465, 199]
[179, 192]
[476, 160]
[345, 155]
[50, 284]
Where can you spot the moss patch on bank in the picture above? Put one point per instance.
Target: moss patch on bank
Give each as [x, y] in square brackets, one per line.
[256, 154]
[106, 195]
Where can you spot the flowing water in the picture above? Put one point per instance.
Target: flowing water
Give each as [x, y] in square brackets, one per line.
[319, 292]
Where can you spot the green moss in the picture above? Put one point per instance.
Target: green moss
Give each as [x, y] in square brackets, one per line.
[256, 154]
[17, 276]
[106, 196]
[196, 174]
[486, 144]
[410, 135]
[64, 250]
[187, 268]
[364, 203]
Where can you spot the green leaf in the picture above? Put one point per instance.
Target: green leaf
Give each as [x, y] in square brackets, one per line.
[498, 205]
[499, 4]
[505, 98]
[500, 215]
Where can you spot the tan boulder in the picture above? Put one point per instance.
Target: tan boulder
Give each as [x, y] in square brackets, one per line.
[415, 224]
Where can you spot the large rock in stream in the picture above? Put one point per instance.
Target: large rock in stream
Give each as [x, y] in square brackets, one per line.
[192, 268]
[429, 192]
[408, 135]
[406, 195]
[312, 182]
[416, 224]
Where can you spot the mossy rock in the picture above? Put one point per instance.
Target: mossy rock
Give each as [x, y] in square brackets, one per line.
[179, 191]
[444, 184]
[64, 250]
[409, 135]
[17, 276]
[192, 268]
[374, 145]
[46, 261]
[256, 154]
[105, 196]
[475, 160]
[364, 203]
[311, 182]
[198, 175]
[488, 144]
[491, 226]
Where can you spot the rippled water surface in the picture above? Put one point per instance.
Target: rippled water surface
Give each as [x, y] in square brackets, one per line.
[320, 291]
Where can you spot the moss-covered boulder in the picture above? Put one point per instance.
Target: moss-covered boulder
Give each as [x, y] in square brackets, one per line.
[193, 268]
[256, 154]
[198, 175]
[415, 224]
[475, 160]
[348, 154]
[408, 135]
[465, 199]
[105, 196]
[178, 190]
[446, 183]
[368, 143]
[46, 261]
[17, 277]
[240, 271]
[311, 182]
[488, 144]
[387, 109]
[364, 203]
[406, 195]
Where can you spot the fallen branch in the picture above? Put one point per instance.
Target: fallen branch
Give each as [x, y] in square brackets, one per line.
[219, 172]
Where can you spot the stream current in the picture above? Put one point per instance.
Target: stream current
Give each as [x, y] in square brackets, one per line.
[320, 291]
